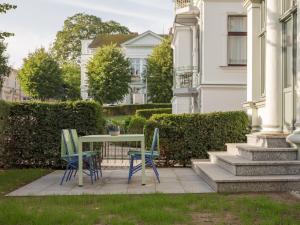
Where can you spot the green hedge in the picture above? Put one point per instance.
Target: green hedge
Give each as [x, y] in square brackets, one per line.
[33, 131]
[147, 113]
[131, 109]
[4, 113]
[183, 137]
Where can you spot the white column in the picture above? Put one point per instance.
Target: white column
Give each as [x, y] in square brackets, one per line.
[253, 59]
[297, 81]
[272, 115]
[253, 49]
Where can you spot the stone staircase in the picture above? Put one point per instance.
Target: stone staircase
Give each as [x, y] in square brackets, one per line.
[266, 163]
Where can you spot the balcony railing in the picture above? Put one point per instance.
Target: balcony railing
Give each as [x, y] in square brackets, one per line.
[182, 3]
[186, 77]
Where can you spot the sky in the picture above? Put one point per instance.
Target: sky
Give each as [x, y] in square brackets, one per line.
[35, 22]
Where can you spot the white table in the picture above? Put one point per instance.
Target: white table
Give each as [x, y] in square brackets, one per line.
[109, 138]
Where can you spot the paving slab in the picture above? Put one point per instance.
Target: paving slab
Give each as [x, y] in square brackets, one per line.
[114, 181]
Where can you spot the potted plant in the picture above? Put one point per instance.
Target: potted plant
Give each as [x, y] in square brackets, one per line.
[112, 129]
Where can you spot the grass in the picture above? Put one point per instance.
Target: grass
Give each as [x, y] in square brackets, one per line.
[190, 209]
[118, 119]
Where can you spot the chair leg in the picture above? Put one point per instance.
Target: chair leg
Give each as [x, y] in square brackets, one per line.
[62, 179]
[155, 170]
[69, 174]
[100, 167]
[130, 169]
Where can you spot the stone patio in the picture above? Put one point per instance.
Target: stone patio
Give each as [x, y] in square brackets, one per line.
[173, 180]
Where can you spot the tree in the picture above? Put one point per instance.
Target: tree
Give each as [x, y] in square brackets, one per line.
[71, 79]
[4, 7]
[160, 73]
[67, 45]
[4, 68]
[109, 75]
[40, 76]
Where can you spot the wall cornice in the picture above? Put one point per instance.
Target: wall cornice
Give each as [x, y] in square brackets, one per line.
[247, 3]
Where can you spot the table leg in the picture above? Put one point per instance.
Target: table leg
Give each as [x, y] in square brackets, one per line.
[80, 164]
[143, 163]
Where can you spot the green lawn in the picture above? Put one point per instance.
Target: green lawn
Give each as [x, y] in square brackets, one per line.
[154, 209]
[119, 119]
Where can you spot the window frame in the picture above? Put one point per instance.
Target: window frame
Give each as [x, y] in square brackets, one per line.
[235, 34]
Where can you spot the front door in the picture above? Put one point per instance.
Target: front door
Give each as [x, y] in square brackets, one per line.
[289, 70]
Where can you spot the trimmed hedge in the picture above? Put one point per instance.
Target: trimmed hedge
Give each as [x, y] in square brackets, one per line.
[4, 113]
[131, 109]
[136, 125]
[147, 113]
[33, 131]
[187, 136]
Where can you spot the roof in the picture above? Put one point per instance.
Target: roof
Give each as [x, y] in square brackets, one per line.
[106, 39]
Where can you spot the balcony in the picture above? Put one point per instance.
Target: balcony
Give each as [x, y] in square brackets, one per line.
[182, 3]
[186, 12]
[186, 80]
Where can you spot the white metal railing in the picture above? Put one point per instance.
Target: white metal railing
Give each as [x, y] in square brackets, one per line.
[186, 77]
[182, 3]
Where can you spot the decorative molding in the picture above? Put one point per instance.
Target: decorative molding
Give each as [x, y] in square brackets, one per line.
[247, 3]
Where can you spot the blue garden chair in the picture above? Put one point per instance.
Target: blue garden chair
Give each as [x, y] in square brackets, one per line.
[150, 156]
[69, 154]
[94, 154]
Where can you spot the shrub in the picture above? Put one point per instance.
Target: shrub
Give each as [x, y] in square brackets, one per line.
[183, 137]
[131, 109]
[147, 113]
[33, 133]
[136, 125]
[4, 113]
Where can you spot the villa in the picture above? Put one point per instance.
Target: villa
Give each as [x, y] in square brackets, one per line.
[267, 162]
[135, 47]
[210, 56]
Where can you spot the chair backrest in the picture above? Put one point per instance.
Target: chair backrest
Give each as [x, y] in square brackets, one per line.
[67, 147]
[155, 141]
[74, 139]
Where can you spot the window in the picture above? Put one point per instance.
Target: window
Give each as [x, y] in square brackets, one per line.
[237, 40]
[135, 67]
[138, 67]
[287, 4]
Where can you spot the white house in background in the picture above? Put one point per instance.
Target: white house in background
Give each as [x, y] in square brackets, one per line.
[273, 96]
[210, 55]
[11, 88]
[135, 47]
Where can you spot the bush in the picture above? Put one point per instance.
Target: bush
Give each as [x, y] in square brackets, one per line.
[136, 125]
[131, 109]
[147, 113]
[4, 113]
[183, 137]
[33, 132]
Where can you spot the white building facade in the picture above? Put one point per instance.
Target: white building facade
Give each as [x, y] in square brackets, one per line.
[136, 48]
[11, 88]
[210, 55]
[273, 94]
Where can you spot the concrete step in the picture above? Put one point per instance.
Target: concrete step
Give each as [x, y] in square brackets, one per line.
[223, 181]
[266, 140]
[256, 153]
[232, 148]
[240, 166]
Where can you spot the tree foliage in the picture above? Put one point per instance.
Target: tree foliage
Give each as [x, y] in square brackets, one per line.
[71, 79]
[4, 68]
[4, 7]
[160, 73]
[109, 75]
[40, 76]
[67, 45]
